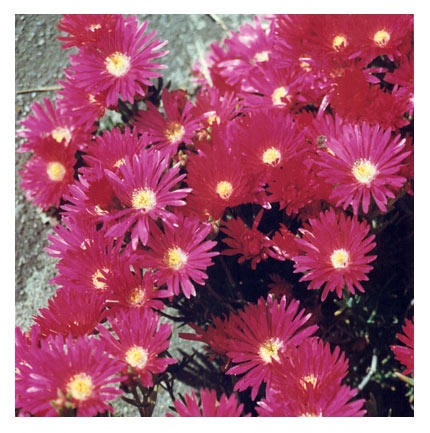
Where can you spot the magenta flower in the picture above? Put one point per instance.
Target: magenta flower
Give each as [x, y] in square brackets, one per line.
[405, 354]
[216, 109]
[307, 383]
[91, 197]
[215, 336]
[177, 127]
[129, 290]
[70, 236]
[247, 49]
[209, 406]
[85, 29]
[139, 343]
[143, 185]
[274, 88]
[258, 335]
[267, 140]
[54, 123]
[252, 244]
[180, 254]
[97, 260]
[83, 107]
[120, 63]
[333, 251]
[364, 162]
[46, 176]
[71, 314]
[64, 375]
[111, 148]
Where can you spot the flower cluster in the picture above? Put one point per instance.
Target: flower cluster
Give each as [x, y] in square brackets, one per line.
[293, 150]
[271, 342]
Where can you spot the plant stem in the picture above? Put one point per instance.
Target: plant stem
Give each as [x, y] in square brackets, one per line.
[39, 89]
[372, 370]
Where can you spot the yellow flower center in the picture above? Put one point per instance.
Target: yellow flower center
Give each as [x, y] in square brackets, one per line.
[96, 282]
[224, 189]
[94, 27]
[339, 42]
[119, 163]
[308, 379]
[91, 98]
[262, 56]
[269, 350]
[56, 171]
[272, 156]
[80, 386]
[381, 38]
[99, 211]
[214, 118]
[307, 414]
[175, 258]
[59, 134]
[174, 132]
[278, 94]
[143, 198]
[340, 259]
[137, 357]
[136, 297]
[117, 64]
[364, 171]
[304, 63]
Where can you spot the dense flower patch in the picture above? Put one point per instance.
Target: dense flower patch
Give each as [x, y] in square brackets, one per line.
[244, 207]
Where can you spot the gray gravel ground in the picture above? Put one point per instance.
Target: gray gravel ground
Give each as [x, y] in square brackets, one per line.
[39, 62]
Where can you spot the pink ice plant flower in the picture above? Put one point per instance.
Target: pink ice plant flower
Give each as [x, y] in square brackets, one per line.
[307, 383]
[85, 29]
[209, 406]
[138, 343]
[66, 375]
[258, 335]
[111, 148]
[120, 63]
[143, 185]
[363, 163]
[80, 105]
[333, 252]
[405, 354]
[71, 314]
[52, 122]
[180, 254]
[177, 127]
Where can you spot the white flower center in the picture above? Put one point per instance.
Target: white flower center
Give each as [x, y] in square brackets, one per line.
[175, 258]
[272, 156]
[340, 259]
[262, 56]
[96, 282]
[269, 350]
[143, 198]
[339, 42]
[381, 38]
[137, 357]
[59, 134]
[80, 386]
[56, 171]
[174, 132]
[224, 189]
[364, 171]
[117, 64]
[278, 94]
